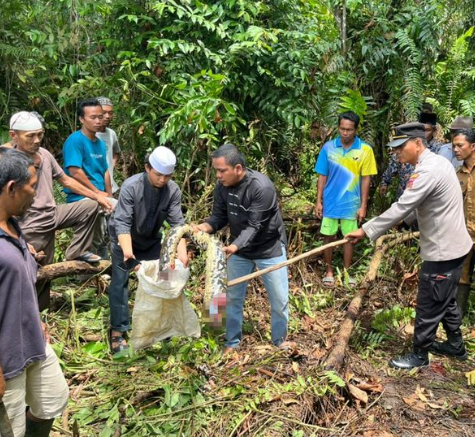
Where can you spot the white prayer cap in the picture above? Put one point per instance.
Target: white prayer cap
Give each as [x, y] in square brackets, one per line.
[163, 160]
[105, 101]
[25, 121]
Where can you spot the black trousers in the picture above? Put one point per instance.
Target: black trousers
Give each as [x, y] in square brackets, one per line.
[436, 303]
[119, 286]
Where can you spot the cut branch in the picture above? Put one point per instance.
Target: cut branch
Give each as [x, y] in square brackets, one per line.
[305, 255]
[73, 267]
[337, 354]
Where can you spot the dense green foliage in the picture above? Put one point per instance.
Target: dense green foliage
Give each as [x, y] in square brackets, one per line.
[269, 75]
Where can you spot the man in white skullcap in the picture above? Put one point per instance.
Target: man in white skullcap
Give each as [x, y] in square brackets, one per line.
[146, 200]
[109, 137]
[44, 217]
[24, 121]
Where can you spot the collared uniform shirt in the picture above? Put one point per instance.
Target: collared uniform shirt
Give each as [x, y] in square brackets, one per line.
[467, 184]
[142, 209]
[251, 209]
[21, 337]
[433, 197]
[344, 169]
[447, 151]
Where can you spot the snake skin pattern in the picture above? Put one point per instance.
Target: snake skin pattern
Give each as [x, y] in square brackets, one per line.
[216, 275]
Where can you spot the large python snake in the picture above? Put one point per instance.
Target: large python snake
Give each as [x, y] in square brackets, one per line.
[216, 275]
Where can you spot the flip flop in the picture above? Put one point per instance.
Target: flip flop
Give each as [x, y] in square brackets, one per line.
[89, 257]
[118, 339]
[328, 282]
[351, 282]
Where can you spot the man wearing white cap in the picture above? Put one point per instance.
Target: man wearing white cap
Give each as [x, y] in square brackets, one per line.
[146, 200]
[44, 217]
[109, 137]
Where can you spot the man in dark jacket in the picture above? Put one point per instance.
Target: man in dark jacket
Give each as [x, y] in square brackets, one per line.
[146, 200]
[247, 201]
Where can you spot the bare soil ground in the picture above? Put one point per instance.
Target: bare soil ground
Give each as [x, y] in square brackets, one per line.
[432, 401]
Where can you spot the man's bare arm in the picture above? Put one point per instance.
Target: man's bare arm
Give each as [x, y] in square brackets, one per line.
[108, 183]
[322, 181]
[79, 189]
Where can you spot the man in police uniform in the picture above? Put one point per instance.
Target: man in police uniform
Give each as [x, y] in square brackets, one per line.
[433, 197]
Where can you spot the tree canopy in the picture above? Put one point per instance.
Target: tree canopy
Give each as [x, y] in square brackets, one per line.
[268, 75]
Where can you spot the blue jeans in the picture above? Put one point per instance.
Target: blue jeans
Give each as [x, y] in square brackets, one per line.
[277, 286]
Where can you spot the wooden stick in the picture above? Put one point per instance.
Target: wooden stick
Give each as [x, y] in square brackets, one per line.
[335, 358]
[287, 262]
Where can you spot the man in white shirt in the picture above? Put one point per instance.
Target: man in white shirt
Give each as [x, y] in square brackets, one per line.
[109, 137]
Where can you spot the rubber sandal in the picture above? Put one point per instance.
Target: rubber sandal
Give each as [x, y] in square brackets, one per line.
[328, 282]
[89, 257]
[119, 339]
[351, 282]
[288, 346]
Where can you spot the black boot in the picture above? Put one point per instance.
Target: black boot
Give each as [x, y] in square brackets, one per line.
[38, 428]
[463, 293]
[419, 358]
[452, 347]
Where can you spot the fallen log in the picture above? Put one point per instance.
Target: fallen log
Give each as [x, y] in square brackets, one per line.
[73, 267]
[335, 357]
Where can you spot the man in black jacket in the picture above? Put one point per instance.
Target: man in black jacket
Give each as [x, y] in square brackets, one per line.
[247, 201]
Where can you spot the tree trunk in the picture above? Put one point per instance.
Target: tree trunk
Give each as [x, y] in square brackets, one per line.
[74, 267]
[344, 38]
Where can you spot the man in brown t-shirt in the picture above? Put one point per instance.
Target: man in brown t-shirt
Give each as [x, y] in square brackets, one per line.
[44, 217]
[463, 143]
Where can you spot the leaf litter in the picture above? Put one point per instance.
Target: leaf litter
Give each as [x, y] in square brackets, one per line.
[185, 386]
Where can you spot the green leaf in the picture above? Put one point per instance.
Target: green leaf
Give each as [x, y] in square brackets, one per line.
[94, 347]
[334, 378]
